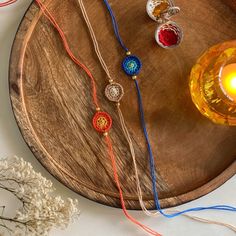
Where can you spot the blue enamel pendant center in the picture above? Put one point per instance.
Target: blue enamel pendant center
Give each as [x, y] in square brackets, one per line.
[131, 65]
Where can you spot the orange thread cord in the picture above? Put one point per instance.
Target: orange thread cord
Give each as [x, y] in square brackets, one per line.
[49, 16]
[113, 160]
[7, 3]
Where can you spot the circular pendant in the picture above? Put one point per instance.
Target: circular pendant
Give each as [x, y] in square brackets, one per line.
[102, 122]
[131, 65]
[169, 35]
[114, 92]
[155, 8]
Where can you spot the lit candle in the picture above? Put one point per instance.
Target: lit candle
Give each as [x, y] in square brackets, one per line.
[228, 81]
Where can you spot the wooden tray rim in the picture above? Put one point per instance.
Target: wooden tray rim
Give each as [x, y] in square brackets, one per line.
[35, 148]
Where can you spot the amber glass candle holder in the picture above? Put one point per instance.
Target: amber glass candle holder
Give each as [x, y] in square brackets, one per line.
[213, 83]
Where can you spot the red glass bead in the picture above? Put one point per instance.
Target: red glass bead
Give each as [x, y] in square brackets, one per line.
[102, 122]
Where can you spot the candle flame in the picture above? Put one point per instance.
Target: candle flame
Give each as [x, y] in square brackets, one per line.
[228, 81]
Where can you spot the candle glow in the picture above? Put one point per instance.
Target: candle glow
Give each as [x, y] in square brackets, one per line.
[228, 81]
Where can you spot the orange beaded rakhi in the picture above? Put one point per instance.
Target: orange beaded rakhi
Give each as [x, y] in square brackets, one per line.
[102, 121]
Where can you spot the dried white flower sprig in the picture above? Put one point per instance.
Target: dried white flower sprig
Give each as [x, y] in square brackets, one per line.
[41, 210]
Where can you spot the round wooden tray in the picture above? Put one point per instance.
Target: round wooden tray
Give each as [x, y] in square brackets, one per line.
[52, 103]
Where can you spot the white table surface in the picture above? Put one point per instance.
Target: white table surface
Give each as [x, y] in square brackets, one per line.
[95, 219]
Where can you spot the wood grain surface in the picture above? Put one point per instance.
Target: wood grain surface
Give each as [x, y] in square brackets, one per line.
[231, 3]
[52, 103]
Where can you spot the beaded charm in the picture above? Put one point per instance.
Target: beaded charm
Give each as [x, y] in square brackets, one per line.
[102, 122]
[131, 65]
[168, 33]
[114, 92]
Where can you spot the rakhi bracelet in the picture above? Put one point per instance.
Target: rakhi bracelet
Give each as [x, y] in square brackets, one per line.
[21, 63]
[101, 121]
[51, 19]
[131, 66]
[117, 94]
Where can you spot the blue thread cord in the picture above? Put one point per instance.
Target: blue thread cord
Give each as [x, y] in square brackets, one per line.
[115, 26]
[151, 158]
[153, 171]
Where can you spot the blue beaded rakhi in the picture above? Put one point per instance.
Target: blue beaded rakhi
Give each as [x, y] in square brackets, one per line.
[131, 65]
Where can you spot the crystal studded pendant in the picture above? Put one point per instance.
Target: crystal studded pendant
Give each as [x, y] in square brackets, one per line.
[114, 92]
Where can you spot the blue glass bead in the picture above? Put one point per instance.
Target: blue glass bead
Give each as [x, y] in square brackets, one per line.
[131, 65]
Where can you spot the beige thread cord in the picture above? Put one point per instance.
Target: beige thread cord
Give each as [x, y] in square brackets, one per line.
[96, 46]
[128, 138]
[139, 190]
